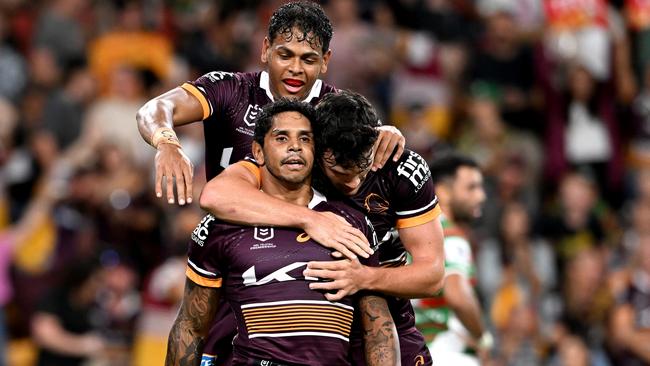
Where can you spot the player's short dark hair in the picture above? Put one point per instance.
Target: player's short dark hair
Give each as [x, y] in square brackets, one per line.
[447, 166]
[307, 17]
[347, 125]
[264, 122]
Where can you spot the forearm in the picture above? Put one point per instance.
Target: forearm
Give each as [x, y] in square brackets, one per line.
[381, 342]
[412, 281]
[153, 115]
[187, 336]
[469, 314]
[185, 345]
[242, 203]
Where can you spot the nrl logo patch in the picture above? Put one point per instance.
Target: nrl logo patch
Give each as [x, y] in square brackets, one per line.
[251, 114]
[263, 233]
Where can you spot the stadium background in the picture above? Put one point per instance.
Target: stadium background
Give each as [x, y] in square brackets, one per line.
[551, 97]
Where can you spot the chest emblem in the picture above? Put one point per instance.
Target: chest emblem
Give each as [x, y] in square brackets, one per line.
[252, 112]
[375, 203]
[263, 233]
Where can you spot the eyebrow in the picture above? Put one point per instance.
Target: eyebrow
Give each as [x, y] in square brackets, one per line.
[304, 55]
[277, 131]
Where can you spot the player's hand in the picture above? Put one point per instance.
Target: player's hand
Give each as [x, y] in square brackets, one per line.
[172, 163]
[334, 232]
[346, 277]
[389, 138]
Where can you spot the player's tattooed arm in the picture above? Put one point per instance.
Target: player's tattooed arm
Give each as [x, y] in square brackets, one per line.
[187, 336]
[379, 333]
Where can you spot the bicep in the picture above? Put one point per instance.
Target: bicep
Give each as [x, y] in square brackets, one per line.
[423, 242]
[186, 107]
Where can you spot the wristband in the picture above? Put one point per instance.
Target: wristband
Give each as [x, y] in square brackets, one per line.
[164, 135]
[486, 341]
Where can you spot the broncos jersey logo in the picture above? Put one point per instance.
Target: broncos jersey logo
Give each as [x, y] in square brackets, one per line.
[375, 203]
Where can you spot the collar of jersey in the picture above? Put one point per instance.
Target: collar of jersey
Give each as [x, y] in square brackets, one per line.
[316, 199]
[265, 84]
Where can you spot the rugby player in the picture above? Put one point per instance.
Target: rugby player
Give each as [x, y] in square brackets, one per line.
[399, 200]
[280, 320]
[295, 53]
[453, 319]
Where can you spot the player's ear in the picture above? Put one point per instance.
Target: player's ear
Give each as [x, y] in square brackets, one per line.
[266, 47]
[326, 60]
[258, 153]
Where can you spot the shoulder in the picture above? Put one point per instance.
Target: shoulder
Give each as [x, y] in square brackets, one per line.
[327, 88]
[410, 168]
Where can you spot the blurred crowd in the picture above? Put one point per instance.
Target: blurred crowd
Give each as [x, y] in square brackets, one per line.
[551, 97]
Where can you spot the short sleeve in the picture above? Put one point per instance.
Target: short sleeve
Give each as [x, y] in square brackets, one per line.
[414, 197]
[203, 255]
[458, 256]
[214, 90]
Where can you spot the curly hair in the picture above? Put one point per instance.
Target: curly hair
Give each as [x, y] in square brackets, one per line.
[346, 126]
[264, 122]
[306, 16]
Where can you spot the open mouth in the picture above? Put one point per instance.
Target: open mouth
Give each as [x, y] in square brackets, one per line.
[293, 85]
[295, 163]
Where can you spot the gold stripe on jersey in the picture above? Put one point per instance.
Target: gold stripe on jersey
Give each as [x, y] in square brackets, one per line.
[420, 219]
[253, 169]
[288, 319]
[197, 93]
[200, 280]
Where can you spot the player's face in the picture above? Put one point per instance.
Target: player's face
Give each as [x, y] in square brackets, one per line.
[288, 151]
[293, 66]
[467, 194]
[345, 180]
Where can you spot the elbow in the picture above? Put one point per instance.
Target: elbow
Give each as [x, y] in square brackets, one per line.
[437, 279]
[209, 200]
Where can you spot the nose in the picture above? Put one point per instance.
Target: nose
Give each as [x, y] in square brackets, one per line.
[353, 184]
[296, 66]
[295, 145]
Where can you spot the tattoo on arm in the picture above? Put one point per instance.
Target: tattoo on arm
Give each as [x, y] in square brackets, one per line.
[187, 336]
[379, 333]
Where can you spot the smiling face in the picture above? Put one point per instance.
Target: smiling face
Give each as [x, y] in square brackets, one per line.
[288, 151]
[293, 63]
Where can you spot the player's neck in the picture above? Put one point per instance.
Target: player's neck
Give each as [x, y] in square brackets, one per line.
[298, 194]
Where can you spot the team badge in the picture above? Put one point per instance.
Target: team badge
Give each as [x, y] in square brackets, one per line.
[251, 114]
[375, 203]
[263, 233]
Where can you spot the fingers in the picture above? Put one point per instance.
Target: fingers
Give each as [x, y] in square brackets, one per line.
[401, 144]
[343, 250]
[331, 286]
[158, 186]
[381, 155]
[189, 178]
[169, 180]
[328, 265]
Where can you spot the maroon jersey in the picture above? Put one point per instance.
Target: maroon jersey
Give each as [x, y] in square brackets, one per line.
[400, 195]
[231, 102]
[260, 269]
